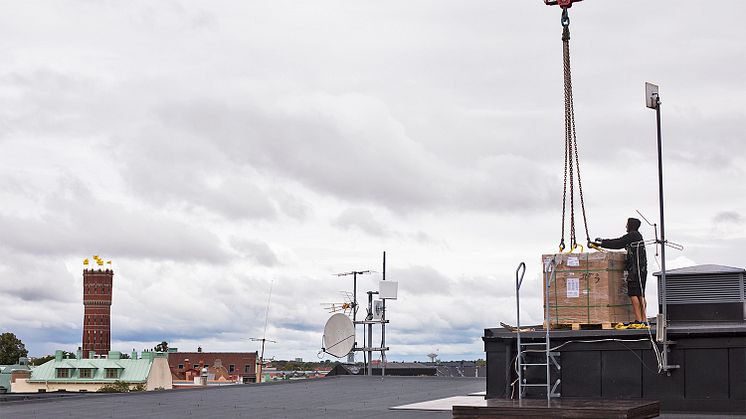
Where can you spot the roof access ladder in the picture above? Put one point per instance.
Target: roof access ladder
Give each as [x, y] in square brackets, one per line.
[524, 348]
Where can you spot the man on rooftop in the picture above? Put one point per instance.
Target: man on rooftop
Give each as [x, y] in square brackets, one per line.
[636, 266]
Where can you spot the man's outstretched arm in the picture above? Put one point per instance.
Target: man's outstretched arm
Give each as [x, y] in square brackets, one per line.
[619, 243]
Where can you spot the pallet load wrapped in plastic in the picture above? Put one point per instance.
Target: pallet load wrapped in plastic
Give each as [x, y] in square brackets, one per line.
[589, 289]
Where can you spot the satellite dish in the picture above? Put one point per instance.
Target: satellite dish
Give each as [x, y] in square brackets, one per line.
[339, 335]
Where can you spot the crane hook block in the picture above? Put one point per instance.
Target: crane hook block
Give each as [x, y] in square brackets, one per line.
[561, 3]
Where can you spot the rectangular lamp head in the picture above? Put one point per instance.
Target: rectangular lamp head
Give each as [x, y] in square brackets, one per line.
[651, 95]
[387, 290]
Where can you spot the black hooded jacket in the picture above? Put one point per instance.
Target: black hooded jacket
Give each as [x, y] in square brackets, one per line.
[633, 243]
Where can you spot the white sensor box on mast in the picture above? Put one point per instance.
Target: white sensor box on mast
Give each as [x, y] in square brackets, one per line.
[387, 290]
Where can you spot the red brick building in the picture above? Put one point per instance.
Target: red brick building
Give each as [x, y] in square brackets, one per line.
[97, 291]
[240, 366]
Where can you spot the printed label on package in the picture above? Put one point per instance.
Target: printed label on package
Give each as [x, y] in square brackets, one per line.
[573, 287]
[573, 261]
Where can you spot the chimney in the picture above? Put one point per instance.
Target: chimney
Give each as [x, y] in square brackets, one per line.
[134, 354]
[199, 349]
[203, 374]
[79, 353]
[91, 354]
[58, 355]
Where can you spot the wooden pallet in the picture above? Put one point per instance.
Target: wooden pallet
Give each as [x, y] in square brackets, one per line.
[583, 326]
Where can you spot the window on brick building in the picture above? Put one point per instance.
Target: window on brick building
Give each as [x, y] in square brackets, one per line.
[247, 368]
[63, 373]
[180, 366]
[231, 368]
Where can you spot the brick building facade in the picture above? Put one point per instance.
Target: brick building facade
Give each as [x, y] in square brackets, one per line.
[239, 365]
[97, 293]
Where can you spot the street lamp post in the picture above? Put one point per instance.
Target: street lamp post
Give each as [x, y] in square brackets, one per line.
[653, 101]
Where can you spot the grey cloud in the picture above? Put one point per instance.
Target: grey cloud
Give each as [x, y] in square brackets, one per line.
[157, 164]
[435, 338]
[27, 277]
[361, 218]
[75, 222]
[170, 169]
[351, 147]
[728, 217]
[708, 142]
[257, 251]
[291, 205]
[47, 101]
[173, 17]
[418, 280]
[345, 145]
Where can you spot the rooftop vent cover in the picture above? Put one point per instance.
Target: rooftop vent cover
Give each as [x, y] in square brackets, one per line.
[705, 292]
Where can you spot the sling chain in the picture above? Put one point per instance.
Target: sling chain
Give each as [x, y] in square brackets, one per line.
[572, 161]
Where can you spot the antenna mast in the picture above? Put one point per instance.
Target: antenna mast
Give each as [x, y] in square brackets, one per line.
[376, 314]
[264, 340]
[354, 296]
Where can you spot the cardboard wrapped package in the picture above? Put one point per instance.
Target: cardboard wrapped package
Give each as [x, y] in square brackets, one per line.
[589, 288]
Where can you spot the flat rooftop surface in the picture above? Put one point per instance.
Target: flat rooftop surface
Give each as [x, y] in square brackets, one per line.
[332, 397]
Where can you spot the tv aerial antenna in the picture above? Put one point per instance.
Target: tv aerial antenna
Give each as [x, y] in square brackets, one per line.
[658, 242]
[263, 339]
[345, 307]
[340, 339]
[354, 289]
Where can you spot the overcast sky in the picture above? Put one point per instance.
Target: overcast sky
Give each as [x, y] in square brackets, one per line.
[211, 148]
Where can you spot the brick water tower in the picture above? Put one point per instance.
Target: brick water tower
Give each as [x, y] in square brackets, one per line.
[97, 290]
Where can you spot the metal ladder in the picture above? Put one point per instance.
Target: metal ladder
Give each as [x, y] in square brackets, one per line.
[549, 357]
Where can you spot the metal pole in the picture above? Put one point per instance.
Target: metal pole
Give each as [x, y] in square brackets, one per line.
[261, 362]
[370, 333]
[354, 297]
[383, 323]
[663, 233]
[354, 311]
[518, 334]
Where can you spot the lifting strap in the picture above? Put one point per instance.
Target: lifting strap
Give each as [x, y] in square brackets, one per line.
[572, 161]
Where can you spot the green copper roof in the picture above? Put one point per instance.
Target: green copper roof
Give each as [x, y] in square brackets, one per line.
[129, 370]
[5, 371]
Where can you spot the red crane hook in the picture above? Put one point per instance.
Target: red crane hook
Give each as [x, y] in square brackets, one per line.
[561, 3]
